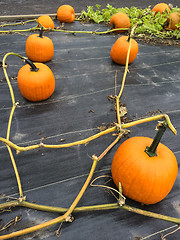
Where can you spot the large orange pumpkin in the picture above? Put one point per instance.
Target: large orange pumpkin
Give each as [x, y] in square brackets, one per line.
[36, 81]
[120, 48]
[161, 7]
[120, 20]
[65, 13]
[46, 21]
[144, 178]
[39, 48]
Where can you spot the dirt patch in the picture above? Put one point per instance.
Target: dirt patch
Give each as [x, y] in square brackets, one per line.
[159, 41]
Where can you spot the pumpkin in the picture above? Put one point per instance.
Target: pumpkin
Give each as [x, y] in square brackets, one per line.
[160, 7]
[36, 81]
[120, 48]
[46, 21]
[39, 48]
[147, 174]
[65, 13]
[120, 20]
[173, 19]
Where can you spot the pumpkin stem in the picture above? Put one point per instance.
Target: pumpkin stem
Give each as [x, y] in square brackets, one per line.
[129, 36]
[113, 26]
[151, 151]
[166, 24]
[131, 33]
[33, 67]
[41, 32]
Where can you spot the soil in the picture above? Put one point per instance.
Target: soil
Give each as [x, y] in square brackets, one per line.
[157, 41]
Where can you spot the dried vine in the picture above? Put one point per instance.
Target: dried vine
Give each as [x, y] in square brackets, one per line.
[119, 128]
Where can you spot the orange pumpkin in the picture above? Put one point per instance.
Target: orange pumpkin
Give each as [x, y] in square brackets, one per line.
[173, 19]
[36, 81]
[46, 21]
[65, 13]
[120, 20]
[39, 48]
[120, 48]
[145, 177]
[161, 7]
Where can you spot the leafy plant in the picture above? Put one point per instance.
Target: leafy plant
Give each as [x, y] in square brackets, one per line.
[147, 22]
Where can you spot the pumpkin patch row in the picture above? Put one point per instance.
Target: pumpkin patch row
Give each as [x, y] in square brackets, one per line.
[40, 49]
[147, 174]
[65, 13]
[172, 20]
[142, 168]
[145, 168]
[36, 81]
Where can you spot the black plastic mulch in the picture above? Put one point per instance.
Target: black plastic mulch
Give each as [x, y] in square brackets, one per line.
[85, 74]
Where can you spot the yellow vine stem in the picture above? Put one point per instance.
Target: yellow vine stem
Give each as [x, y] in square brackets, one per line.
[80, 142]
[20, 30]
[19, 23]
[61, 30]
[99, 207]
[10, 121]
[88, 32]
[122, 85]
[124, 76]
[59, 219]
[149, 119]
[86, 140]
[66, 216]
[16, 172]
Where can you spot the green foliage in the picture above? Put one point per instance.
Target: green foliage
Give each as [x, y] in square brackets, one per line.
[147, 22]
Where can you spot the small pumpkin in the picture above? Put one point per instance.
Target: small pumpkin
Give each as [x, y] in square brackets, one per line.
[46, 21]
[36, 81]
[39, 48]
[173, 19]
[147, 174]
[120, 48]
[120, 20]
[65, 13]
[161, 7]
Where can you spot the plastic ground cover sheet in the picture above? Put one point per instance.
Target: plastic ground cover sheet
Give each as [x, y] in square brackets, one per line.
[79, 107]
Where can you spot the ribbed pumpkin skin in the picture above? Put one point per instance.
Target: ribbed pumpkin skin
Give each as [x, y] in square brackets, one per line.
[120, 20]
[65, 13]
[39, 49]
[160, 7]
[119, 50]
[144, 179]
[36, 86]
[46, 21]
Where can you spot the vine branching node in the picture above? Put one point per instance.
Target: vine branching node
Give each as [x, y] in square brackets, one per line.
[95, 158]
[21, 199]
[160, 124]
[121, 202]
[41, 144]
[69, 219]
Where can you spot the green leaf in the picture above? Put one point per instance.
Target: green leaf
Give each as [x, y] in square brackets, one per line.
[147, 22]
